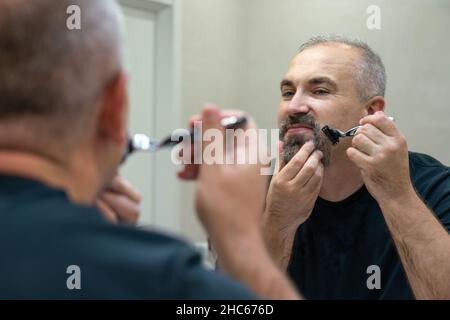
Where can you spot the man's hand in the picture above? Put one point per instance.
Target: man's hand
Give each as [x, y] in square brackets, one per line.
[190, 171]
[229, 202]
[381, 153]
[120, 202]
[294, 189]
[292, 194]
[230, 197]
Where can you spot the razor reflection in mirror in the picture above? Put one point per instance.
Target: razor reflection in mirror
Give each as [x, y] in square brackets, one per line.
[142, 142]
[335, 134]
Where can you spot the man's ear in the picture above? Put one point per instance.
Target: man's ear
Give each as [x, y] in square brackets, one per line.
[113, 116]
[375, 104]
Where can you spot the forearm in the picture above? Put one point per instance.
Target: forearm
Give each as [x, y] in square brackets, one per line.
[423, 245]
[245, 258]
[279, 241]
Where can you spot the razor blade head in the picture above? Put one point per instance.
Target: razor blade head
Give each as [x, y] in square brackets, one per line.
[332, 134]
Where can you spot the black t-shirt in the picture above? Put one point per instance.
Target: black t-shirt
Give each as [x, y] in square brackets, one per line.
[335, 246]
[42, 234]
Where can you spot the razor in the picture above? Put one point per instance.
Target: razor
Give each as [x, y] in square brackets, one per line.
[335, 134]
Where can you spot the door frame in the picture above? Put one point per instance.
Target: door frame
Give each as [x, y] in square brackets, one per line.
[166, 206]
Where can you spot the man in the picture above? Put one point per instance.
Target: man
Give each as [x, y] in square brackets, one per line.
[63, 114]
[364, 219]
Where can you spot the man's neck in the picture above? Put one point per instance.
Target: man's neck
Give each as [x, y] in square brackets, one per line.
[341, 179]
[79, 182]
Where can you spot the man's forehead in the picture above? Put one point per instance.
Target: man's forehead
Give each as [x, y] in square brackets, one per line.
[331, 59]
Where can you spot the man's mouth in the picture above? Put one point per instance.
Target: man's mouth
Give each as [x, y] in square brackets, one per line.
[298, 129]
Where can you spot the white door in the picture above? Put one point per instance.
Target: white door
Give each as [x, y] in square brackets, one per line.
[151, 40]
[140, 60]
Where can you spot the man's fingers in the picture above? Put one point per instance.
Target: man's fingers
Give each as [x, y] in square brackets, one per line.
[379, 120]
[194, 119]
[106, 211]
[315, 181]
[123, 207]
[223, 114]
[365, 144]
[211, 117]
[250, 123]
[359, 158]
[121, 186]
[308, 169]
[210, 120]
[292, 168]
[372, 132]
[188, 172]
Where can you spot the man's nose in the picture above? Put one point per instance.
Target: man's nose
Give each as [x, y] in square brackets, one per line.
[298, 104]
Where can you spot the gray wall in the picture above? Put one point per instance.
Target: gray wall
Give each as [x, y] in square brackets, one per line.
[236, 51]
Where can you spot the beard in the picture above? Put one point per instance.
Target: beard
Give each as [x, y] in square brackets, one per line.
[293, 142]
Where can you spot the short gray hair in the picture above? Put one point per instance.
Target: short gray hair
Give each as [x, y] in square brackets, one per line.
[49, 73]
[370, 74]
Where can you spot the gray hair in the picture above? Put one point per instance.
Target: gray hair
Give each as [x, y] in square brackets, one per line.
[50, 74]
[370, 74]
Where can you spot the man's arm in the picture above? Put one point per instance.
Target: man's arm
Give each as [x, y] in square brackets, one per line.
[279, 240]
[245, 257]
[422, 243]
[229, 203]
[290, 200]
[381, 153]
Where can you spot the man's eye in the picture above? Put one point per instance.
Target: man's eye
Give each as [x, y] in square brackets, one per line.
[320, 92]
[287, 94]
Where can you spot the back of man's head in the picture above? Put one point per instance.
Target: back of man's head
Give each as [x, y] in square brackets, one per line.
[51, 76]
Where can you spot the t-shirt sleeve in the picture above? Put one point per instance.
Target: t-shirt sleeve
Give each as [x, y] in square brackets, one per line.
[433, 185]
[442, 206]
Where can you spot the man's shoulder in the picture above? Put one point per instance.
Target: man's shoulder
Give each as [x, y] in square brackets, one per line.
[431, 180]
[59, 229]
[43, 234]
[425, 169]
[425, 161]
